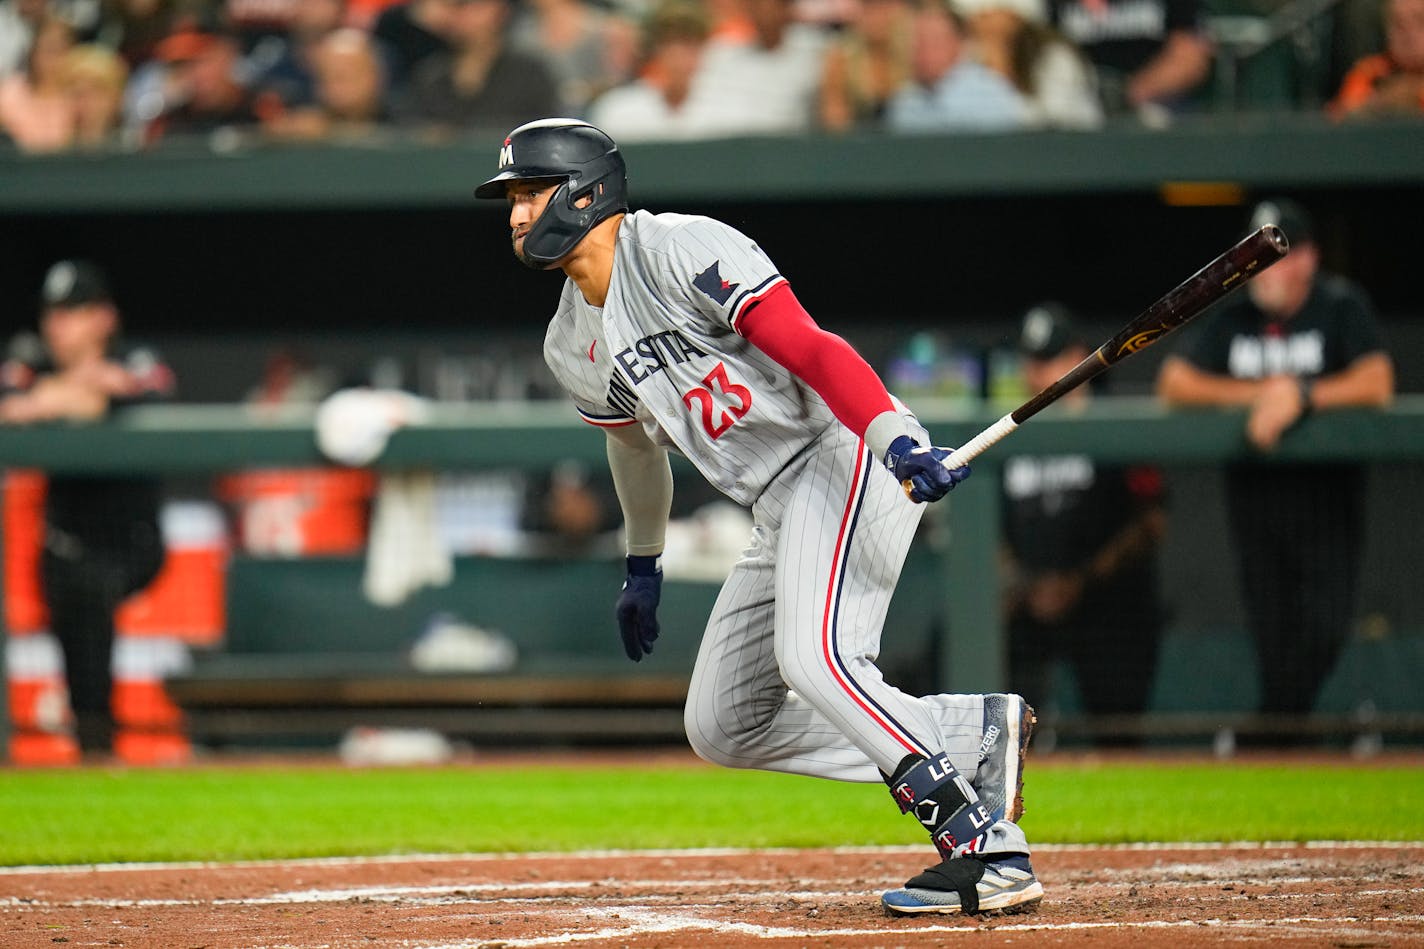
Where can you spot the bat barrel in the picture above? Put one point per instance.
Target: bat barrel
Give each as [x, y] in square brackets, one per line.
[1229, 270]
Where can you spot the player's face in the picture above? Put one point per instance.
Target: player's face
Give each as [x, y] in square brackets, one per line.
[527, 200]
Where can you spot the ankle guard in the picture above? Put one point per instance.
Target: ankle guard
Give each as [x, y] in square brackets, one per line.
[943, 801]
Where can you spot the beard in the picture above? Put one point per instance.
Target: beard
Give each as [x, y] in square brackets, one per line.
[526, 260]
[517, 246]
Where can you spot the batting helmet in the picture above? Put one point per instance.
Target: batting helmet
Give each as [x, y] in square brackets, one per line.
[587, 164]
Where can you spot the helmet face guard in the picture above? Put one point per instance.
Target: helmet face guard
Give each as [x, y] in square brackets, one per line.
[588, 168]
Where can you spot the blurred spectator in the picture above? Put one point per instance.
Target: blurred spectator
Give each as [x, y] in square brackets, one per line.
[948, 90]
[134, 28]
[102, 538]
[866, 64]
[1080, 546]
[1391, 82]
[589, 50]
[767, 85]
[411, 32]
[1356, 30]
[350, 93]
[18, 20]
[482, 83]
[282, 64]
[1013, 38]
[34, 103]
[655, 106]
[202, 89]
[94, 77]
[1298, 341]
[1150, 55]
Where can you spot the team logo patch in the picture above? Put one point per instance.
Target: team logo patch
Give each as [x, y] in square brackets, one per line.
[711, 283]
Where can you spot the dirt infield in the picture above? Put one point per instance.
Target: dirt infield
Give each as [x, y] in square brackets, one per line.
[1322, 895]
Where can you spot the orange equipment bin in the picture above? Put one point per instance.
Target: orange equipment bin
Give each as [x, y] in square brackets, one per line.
[295, 512]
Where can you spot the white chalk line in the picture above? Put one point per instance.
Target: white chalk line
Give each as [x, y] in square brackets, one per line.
[526, 894]
[694, 853]
[651, 923]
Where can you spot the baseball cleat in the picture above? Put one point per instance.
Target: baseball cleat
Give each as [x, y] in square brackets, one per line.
[1008, 726]
[970, 886]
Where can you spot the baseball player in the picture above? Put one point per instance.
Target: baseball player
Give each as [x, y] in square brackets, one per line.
[676, 332]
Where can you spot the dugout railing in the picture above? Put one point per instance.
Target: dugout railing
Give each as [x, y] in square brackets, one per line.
[958, 599]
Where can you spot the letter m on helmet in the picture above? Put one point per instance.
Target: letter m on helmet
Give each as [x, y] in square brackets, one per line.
[506, 154]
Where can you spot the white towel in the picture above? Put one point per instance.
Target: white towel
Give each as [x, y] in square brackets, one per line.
[405, 550]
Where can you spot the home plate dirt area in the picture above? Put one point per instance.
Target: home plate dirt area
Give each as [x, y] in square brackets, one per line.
[1327, 894]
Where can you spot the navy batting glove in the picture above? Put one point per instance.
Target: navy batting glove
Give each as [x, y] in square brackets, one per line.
[921, 470]
[638, 606]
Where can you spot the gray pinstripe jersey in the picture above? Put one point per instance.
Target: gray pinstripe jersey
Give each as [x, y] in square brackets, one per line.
[664, 351]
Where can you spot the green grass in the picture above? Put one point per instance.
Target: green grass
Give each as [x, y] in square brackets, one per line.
[226, 813]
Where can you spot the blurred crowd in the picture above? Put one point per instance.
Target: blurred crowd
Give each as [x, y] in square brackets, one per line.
[103, 74]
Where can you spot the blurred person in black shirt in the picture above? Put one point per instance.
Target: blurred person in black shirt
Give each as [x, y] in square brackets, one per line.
[483, 82]
[202, 90]
[1297, 341]
[1151, 56]
[409, 32]
[102, 540]
[1081, 540]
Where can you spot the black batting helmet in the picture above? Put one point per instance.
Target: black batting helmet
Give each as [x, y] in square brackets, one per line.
[586, 162]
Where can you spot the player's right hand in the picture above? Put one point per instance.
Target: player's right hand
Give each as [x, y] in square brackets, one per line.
[921, 470]
[638, 606]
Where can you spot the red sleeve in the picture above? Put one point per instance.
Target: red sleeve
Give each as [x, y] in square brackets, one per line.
[780, 327]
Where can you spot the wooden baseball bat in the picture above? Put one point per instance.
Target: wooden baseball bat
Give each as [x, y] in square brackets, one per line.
[1231, 269]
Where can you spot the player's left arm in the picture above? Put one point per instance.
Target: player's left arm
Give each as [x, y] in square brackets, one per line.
[779, 326]
[642, 479]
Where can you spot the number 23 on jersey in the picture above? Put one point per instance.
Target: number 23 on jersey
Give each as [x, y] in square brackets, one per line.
[714, 385]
